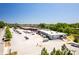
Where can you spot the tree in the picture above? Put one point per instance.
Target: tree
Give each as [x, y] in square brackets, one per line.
[61, 27]
[8, 34]
[42, 25]
[53, 52]
[68, 30]
[65, 50]
[63, 47]
[58, 52]
[44, 51]
[2, 24]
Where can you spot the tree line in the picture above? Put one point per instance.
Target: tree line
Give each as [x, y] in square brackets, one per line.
[61, 27]
[3, 24]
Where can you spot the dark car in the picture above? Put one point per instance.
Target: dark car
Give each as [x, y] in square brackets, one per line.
[2, 39]
[19, 33]
[33, 34]
[45, 40]
[26, 37]
[75, 45]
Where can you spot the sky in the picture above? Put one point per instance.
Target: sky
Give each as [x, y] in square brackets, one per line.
[35, 13]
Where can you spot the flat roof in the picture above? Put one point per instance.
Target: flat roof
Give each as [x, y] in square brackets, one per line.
[52, 32]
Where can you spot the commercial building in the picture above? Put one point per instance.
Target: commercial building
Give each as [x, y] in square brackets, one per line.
[52, 34]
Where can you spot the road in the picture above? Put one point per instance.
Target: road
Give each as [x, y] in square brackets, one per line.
[2, 32]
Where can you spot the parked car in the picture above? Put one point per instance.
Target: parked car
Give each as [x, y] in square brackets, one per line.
[2, 39]
[33, 34]
[26, 37]
[74, 45]
[17, 31]
[45, 40]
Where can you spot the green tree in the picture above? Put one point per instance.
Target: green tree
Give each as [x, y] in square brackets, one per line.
[8, 34]
[61, 27]
[42, 25]
[53, 52]
[58, 52]
[68, 30]
[63, 47]
[2, 24]
[44, 51]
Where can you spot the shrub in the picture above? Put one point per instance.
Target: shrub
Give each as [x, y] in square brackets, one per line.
[12, 53]
[76, 40]
[58, 52]
[44, 51]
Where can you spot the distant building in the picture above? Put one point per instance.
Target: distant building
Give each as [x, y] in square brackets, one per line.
[29, 28]
[52, 34]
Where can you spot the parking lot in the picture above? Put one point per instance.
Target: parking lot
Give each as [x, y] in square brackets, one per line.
[28, 43]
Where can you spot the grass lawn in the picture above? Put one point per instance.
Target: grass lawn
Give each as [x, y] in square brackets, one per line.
[72, 37]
